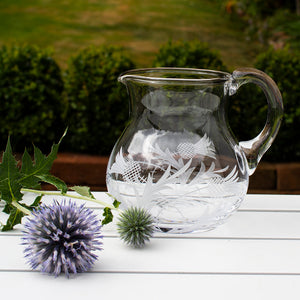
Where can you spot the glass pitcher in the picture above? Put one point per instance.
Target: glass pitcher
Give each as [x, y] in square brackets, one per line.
[177, 158]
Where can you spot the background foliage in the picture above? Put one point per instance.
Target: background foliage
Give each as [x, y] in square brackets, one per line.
[97, 103]
[192, 54]
[89, 100]
[31, 100]
[283, 66]
[272, 22]
[41, 94]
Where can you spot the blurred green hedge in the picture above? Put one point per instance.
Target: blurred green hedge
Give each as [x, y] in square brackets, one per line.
[192, 54]
[283, 66]
[98, 104]
[31, 103]
[38, 102]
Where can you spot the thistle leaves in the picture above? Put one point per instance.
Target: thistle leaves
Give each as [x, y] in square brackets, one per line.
[58, 183]
[9, 176]
[116, 203]
[107, 213]
[40, 166]
[30, 175]
[108, 216]
[15, 217]
[83, 191]
[27, 175]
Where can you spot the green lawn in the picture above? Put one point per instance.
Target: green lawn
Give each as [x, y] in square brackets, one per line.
[140, 26]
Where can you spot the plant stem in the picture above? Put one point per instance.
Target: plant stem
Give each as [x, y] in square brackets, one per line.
[21, 208]
[71, 196]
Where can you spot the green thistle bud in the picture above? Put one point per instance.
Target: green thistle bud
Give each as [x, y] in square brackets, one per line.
[135, 226]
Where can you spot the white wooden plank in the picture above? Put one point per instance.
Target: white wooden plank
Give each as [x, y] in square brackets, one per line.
[258, 225]
[181, 255]
[243, 224]
[251, 201]
[34, 286]
[190, 255]
[214, 265]
[271, 202]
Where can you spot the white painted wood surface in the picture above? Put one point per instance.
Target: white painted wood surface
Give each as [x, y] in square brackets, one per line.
[255, 255]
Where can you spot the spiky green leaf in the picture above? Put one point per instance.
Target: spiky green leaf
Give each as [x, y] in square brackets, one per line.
[41, 166]
[7, 208]
[28, 167]
[9, 176]
[13, 179]
[14, 218]
[58, 183]
[116, 203]
[83, 191]
[108, 216]
[36, 201]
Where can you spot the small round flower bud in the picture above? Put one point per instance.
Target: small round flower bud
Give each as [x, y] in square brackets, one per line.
[135, 226]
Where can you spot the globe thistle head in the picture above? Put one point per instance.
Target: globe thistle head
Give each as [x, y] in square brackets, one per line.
[135, 226]
[61, 238]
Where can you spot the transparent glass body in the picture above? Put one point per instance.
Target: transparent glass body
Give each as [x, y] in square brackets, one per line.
[178, 158]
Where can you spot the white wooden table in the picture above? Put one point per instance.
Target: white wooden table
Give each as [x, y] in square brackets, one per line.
[255, 255]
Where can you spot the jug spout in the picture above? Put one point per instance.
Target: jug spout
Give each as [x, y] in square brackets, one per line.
[175, 98]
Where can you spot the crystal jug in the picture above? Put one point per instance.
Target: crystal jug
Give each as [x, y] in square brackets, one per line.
[177, 158]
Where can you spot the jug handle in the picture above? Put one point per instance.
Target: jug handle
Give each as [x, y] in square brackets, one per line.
[256, 147]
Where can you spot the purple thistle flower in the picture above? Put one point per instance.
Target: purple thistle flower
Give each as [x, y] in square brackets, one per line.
[61, 238]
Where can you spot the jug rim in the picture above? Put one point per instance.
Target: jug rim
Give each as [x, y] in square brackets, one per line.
[152, 75]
